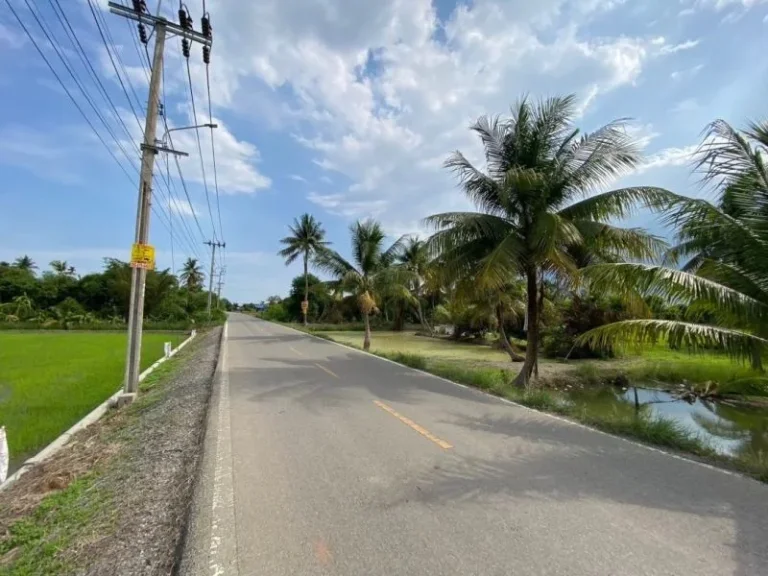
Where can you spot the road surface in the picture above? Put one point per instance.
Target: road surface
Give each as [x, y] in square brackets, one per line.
[323, 460]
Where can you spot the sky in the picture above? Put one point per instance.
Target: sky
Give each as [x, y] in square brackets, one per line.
[342, 108]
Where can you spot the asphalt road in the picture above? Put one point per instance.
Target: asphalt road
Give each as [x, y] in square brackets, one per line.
[322, 460]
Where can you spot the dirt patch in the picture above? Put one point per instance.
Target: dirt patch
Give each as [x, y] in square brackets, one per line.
[130, 476]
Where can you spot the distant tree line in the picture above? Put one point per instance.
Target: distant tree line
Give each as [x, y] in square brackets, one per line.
[60, 298]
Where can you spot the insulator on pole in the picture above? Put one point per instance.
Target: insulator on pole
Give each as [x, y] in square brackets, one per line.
[143, 33]
[205, 24]
[206, 55]
[182, 18]
[185, 47]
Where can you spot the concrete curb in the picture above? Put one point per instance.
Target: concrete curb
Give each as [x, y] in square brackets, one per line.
[89, 419]
[512, 403]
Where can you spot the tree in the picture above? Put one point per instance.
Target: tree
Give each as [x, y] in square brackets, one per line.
[25, 263]
[320, 297]
[726, 277]
[534, 205]
[307, 239]
[370, 276]
[62, 268]
[414, 258]
[192, 276]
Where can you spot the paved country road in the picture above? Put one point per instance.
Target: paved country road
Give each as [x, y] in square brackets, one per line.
[323, 460]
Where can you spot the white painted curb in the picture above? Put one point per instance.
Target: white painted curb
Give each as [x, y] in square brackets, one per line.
[89, 419]
[541, 412]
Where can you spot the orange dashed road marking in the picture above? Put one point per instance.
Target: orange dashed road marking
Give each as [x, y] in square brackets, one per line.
[408, 422]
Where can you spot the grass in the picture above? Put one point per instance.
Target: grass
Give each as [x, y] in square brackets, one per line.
[83, 511]
[409, 342]
[60, 517]
[49, 380]
[454, 361]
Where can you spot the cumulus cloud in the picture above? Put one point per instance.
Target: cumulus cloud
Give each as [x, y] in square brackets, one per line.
[669, 157]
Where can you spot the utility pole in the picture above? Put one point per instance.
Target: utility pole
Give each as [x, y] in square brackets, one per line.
[213, 245]
[218, 289]
[142, 254]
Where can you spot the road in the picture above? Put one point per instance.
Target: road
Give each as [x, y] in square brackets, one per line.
[323, 460]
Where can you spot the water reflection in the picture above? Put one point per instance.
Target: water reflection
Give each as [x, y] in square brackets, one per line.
[728, 429]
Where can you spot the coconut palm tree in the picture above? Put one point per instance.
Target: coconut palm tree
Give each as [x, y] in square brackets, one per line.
[192, 276]
[727, 274]
[414, 259]
[536, 202]
[371, 275]
[25, 263]
[307, 239]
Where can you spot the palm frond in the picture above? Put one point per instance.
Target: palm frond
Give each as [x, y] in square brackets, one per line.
[620, 203]
[673, 285]
[481, 189]
[695, 337]
[601, 157]
[726, 155]
[615, 243]
[332, 263]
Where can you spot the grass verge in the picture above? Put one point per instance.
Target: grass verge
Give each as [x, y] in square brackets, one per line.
[49, 380]
[88, 485]
[649, 429]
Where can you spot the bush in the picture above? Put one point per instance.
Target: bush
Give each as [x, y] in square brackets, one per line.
[276, 312]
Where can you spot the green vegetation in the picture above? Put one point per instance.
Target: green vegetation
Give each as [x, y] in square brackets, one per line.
[42, 541]
[60, 517]
[60, 299]
[49, 380]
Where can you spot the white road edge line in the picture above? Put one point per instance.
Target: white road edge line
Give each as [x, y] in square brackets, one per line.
[223, 550]
[89, 419]
[547, 414]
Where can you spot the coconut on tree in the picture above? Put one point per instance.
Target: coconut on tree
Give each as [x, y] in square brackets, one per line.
[307, 240]
[536, 202]
[370, 276]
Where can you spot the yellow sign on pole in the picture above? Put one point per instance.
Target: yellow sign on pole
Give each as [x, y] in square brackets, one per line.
[143, 256]
[304, 306]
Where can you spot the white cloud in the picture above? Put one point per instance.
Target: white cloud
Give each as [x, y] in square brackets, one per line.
[382, 92]
[297, 178]
[668, 157]
[326, 179]
[674, 48]
[182, 207]
[686, 74]
[236, 160]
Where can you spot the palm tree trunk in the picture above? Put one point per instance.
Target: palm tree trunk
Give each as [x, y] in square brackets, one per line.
[422, 319]
[367, 339]
[306, 290]
[514, 356]
[532, 348]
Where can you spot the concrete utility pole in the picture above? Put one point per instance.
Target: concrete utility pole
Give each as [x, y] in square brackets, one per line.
[139, 275]
[142, 256]
[213, 246]
[218, 289]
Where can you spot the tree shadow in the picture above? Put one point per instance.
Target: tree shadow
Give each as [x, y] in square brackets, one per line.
[549, 461]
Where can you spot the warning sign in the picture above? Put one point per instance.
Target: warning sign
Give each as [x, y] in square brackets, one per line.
[143, 256]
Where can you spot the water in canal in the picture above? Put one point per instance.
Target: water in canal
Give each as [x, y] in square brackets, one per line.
[726, 428]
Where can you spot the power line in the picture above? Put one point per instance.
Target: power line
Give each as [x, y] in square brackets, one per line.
[176, 159]
[167, 192]
[200, 149]
[112, 60]
[54, 45]
[213, 147]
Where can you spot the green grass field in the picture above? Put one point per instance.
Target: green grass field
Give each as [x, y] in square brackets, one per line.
[442, 348]
[49, 380]
[653, 363]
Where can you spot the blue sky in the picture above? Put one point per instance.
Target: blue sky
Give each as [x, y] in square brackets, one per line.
[346, 109]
